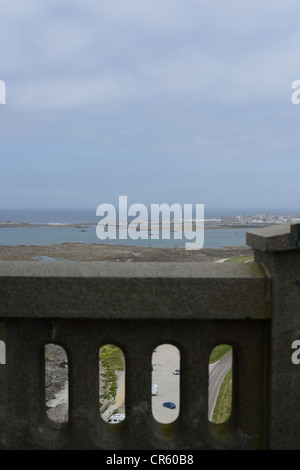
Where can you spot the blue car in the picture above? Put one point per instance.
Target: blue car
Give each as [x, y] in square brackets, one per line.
[169, 404]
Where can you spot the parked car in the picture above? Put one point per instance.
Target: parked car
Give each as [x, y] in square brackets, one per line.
[169, 404]
[176, 372]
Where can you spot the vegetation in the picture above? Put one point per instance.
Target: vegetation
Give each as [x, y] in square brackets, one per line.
[111, 360]
[219, 351]
[222, 408]
[240, 259]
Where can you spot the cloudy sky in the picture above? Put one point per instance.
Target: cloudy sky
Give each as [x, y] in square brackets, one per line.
[183, 101]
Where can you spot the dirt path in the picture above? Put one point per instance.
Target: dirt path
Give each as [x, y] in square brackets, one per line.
[120, 398]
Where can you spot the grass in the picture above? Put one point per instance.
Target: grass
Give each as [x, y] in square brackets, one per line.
[240, 259]
[222, 410]
[218, 352]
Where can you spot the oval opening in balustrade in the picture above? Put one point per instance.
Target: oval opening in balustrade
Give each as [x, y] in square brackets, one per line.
[220, 384]
[56, 383]
[112, 383]
[165, 387]
[2, 352]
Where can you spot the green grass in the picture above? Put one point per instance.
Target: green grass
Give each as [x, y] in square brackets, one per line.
[111, 357]
[240, 259]
[218, 352]
[222, 410]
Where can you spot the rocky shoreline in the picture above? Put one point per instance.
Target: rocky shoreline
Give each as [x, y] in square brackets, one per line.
[56, 383]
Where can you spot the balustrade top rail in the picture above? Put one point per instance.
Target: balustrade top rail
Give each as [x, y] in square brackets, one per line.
[127, 291]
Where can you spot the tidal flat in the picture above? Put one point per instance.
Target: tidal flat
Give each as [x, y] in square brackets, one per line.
[68, 252]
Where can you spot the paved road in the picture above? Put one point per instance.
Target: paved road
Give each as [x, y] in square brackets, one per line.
[166, 360]
[217, 372]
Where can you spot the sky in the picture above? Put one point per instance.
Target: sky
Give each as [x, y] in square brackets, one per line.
[164, 101]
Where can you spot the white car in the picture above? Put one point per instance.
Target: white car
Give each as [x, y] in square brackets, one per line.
[116, 418]
[176, 372]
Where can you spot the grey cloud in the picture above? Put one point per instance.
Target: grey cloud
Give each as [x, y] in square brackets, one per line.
[173, 81]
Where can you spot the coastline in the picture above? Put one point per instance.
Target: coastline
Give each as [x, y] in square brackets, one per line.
[207, 224]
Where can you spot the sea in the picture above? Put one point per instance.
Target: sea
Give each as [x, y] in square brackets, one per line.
[56, 228]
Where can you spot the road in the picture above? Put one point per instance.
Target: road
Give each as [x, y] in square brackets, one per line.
[217, 372]
[166, 359]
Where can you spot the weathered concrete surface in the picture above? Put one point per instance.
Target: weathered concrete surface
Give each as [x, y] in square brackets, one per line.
[140, 290]
[278, 250]
[274, 239]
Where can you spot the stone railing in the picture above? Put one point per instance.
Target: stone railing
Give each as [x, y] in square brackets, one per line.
[252, 306]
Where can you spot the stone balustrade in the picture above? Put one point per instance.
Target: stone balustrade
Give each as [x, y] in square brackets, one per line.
[254, 307]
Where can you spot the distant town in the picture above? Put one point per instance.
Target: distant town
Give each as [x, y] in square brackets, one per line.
[254, 220]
